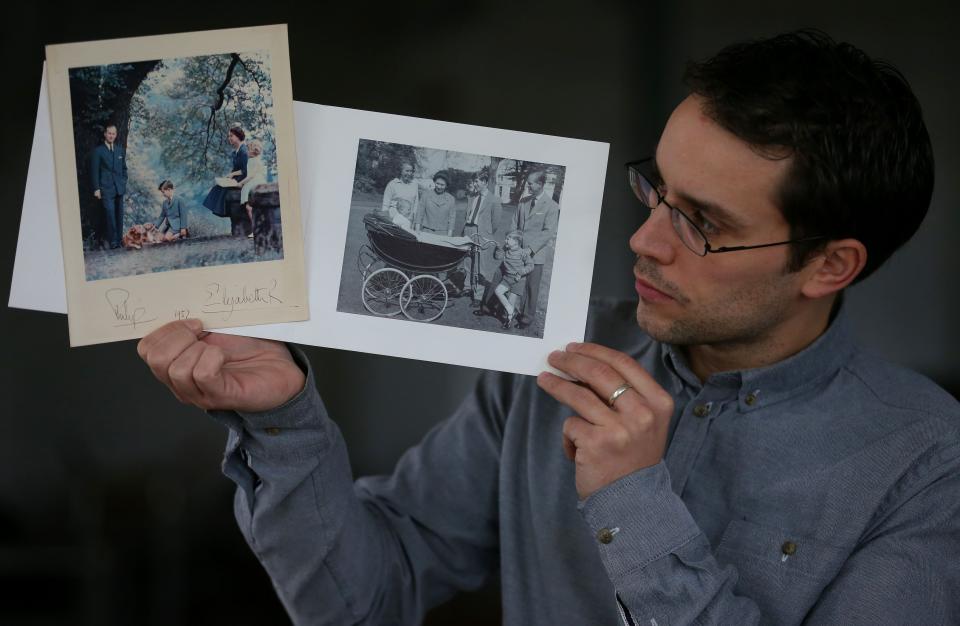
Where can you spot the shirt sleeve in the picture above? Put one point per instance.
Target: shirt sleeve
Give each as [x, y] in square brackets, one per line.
[528, 264]
[95, 170]
[382, 550]
[387, 197]
[655, 554]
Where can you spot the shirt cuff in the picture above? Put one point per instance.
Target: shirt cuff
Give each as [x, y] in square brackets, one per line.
[295, 430]
[637, 520]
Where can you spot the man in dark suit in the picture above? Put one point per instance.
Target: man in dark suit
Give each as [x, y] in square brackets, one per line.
[108, 168]
[537, 217]
[483, 212]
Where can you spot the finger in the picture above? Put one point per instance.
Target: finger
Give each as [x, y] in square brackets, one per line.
[575, 432]
[601, 377]
[161, 355]
[209, 375]
[157, 336]
[576, 396]
[631, 371]
[180, 373]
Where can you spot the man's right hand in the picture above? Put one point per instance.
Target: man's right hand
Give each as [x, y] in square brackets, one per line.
[215, 371]
[96, 194]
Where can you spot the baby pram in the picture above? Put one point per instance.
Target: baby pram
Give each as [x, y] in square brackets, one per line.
[404, 272]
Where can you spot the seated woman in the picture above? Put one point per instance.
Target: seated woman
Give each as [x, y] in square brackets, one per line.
[216, 199]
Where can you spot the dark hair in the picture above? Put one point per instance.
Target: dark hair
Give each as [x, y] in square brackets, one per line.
[166, 184]
[862, 160]
[238, 132]
[443, 176]
[538, 175]
[483, 175]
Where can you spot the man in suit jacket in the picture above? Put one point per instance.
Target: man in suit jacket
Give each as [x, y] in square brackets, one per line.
[108, 169]
[483, 212]
[537, 218]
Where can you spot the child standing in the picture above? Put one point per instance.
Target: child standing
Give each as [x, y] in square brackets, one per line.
[516, 263]
[171, 212]
[256, 175]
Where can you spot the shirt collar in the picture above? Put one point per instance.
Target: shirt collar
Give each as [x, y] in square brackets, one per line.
[763, 386]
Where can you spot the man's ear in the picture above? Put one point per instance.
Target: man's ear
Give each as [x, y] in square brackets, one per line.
[834, 267]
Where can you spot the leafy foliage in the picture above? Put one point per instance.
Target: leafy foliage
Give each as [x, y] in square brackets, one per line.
[172, 116]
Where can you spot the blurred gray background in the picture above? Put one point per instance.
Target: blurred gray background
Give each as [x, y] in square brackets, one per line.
[112, 507]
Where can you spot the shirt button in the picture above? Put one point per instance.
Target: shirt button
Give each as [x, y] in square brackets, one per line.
[272, 430]
[701, 410]
[605, 535]
[789, 548]
[751, 399]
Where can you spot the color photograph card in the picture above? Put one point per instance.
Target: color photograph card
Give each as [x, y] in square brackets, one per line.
[176, 182]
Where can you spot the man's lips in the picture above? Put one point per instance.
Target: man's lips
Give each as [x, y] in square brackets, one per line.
[651, 293]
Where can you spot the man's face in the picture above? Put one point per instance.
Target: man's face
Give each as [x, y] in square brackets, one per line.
[724, 298]
[534, 186]
[233, 140]
[473, 187]
[110, 134]
[439, 186]
[406, 173]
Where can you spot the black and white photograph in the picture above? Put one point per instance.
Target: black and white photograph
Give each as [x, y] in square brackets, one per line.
[177, 181]
[451, 238]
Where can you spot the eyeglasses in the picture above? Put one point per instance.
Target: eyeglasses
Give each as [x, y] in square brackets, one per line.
[690, 234]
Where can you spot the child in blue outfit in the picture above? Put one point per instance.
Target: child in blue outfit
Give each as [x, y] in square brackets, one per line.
[172, 212]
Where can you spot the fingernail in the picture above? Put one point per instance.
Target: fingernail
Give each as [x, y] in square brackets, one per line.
[194, 324]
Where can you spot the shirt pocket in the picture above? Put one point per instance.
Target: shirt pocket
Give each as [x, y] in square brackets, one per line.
[782, 571]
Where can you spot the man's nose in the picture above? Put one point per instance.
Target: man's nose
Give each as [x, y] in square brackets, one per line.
[656, 238]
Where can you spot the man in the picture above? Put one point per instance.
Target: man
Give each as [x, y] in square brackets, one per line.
[108, 170]
[537, 216]
[482, 215]
[400, 197]
[437, 211]
[734, 458]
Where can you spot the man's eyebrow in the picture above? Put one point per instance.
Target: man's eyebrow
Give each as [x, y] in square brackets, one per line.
[713, 209]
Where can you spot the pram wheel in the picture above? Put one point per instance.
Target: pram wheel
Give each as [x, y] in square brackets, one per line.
[423, 298]
[381, 291]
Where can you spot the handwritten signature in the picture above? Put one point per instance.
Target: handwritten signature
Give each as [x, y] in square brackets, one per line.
[223, 300]
[119, 301]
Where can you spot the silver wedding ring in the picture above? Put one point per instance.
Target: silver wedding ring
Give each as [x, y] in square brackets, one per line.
[618, 392]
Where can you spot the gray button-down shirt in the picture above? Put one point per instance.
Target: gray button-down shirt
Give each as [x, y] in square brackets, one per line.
[824, 489]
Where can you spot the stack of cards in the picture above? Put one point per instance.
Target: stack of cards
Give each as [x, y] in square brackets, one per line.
[179, 162]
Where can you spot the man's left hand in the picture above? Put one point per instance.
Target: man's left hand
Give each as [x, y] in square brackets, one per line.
[608, 442]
